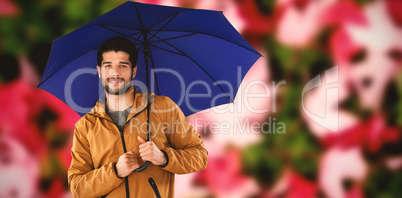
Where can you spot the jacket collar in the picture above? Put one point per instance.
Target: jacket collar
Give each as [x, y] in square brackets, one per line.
[139, 105]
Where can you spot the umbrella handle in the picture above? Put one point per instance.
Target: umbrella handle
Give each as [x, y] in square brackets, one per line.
[143, 167]
[146, 164]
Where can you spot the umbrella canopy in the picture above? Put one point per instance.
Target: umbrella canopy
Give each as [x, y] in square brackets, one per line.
[196, 57]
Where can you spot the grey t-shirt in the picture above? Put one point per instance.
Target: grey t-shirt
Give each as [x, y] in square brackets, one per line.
[119, 117]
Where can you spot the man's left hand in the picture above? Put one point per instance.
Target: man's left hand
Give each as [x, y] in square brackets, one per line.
[150, 152]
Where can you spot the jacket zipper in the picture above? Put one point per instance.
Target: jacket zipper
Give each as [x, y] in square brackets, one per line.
[125, 151]
[123, 141]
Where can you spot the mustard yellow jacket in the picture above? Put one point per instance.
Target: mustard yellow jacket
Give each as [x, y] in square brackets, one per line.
[98, 143]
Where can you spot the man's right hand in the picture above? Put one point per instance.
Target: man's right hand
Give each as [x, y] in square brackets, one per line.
[126, 164]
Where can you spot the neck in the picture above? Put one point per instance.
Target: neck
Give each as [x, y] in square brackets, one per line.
[120, 102]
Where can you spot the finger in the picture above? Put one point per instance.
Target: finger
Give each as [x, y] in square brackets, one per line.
[146, 155]
[132, 160]
[143, 146]
[131, 154]
[146, 158]
[144, 151]
[142, 141]
[147, 145]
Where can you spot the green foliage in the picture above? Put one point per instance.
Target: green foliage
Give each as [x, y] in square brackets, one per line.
[383, 183]
[44, 21]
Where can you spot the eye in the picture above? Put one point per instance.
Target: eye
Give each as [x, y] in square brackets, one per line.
[107, 65]
[125, 66]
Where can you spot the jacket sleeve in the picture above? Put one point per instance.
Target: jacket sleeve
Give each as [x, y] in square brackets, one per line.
[83, 179]
[187, 153]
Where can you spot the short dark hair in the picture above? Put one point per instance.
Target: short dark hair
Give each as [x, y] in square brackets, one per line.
[118, 44]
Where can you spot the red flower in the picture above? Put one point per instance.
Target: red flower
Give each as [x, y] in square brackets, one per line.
[394, 8]
[342, 13]
[38, 120]
[19, 103]
[256, 22]
[293, 185]
[301, 187]
[371, 135]
[56, 188]
[355, 192]
[342, 47]
[8, 8]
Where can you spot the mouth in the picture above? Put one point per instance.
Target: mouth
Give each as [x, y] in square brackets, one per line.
[115, 81]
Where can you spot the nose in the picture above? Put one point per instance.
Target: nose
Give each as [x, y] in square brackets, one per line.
[114, 72]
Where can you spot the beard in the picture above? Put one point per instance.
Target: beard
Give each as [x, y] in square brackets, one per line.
[123, 89]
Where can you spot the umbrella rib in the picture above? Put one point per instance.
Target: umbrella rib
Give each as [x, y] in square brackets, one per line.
[120, 27]
[153, 66]
[79, 56]
[168, 17]
[167, 50]
[163, 26]
[135, 33]
[175, 37]
[121, 33]
[106, 27]
[113, 30]
[138, 38]
[213, 36]
[198, 66]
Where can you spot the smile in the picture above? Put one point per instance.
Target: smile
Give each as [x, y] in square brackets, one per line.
[115, 82]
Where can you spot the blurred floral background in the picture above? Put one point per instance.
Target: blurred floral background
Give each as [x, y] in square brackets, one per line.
[300, 39]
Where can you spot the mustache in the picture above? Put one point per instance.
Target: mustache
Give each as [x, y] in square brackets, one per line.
[109, 79]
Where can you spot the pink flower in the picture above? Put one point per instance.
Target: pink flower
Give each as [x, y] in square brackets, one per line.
[186, 186]
[368, 49]
[18, 169]
[338, 164]
[302, 17]
[224, 176]
[308, 18]
[302, 20]
[317, 102]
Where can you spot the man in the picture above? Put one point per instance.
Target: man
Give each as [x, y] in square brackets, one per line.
[109, 142]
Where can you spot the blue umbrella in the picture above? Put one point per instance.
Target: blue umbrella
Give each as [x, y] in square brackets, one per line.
[196, 57]
[193, 56]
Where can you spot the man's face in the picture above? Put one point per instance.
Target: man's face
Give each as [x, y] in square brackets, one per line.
[116, 72]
